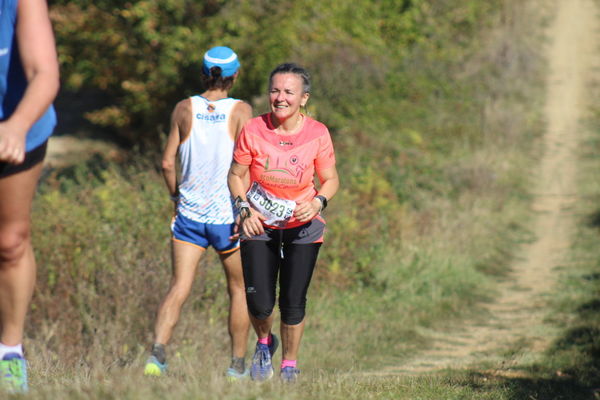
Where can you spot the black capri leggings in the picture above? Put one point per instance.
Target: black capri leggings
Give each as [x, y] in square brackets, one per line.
[263, 260]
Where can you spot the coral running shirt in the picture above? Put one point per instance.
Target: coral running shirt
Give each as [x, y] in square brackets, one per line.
[284, 165]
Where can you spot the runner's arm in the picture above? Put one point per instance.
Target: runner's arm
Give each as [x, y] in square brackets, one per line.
[179, 121]
[38, 57]
[241, 113]
[330, 183]
[236, 179]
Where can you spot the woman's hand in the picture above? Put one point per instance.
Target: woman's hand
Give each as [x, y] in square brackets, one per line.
[12, 144]
[252, 224]
[307, 210]
[236, 230]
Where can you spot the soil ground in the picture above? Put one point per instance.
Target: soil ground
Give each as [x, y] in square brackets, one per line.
[68, 150]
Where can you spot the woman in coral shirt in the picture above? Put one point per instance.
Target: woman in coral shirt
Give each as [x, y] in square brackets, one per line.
[280, 221]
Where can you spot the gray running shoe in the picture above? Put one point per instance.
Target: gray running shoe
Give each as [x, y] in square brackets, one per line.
[289, 374]
[262, 368]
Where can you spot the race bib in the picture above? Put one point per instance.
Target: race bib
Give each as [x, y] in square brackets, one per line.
[277, 211]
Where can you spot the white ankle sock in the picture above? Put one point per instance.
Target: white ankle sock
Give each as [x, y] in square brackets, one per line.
[4, 349]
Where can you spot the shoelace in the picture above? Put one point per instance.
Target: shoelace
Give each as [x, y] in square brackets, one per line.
[263, 357]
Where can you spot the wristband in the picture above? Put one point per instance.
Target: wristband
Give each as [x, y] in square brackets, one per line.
[243, 207]
[239, 203]
[245, 212]
[174, 197]
[323, 201]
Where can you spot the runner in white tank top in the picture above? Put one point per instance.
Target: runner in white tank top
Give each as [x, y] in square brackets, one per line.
[203, 130]
[203, 192]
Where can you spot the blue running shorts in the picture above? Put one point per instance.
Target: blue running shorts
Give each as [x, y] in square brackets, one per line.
[204, 235]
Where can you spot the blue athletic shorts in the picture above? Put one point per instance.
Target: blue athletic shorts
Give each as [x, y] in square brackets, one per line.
[204, 235]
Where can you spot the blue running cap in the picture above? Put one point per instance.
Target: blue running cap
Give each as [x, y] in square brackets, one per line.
[221, 56]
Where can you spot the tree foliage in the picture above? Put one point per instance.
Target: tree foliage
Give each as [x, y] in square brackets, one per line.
[398, 82]
[144, 55]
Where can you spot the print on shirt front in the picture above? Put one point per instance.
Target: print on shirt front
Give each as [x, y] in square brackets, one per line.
[288, 165]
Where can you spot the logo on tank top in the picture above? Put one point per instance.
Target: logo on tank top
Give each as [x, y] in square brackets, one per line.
[211, 116]
[210, 108]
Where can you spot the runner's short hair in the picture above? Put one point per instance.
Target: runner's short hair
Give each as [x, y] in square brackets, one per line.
[291, 68]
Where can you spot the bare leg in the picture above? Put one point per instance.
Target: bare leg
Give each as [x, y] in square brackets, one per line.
[291, 335]
[238, 323]
[17, 263]
[185, 261]
[262, 327]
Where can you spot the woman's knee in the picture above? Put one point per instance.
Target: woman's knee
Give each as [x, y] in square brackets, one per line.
[14, 240]
[259, 308]
[292, 313]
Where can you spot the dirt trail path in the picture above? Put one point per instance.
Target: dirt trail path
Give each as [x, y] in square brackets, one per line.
[516, 319]
[64, 151]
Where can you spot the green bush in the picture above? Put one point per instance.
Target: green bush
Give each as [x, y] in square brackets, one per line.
[101, 242]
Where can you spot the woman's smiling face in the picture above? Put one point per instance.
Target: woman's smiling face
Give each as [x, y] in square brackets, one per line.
[286, 95]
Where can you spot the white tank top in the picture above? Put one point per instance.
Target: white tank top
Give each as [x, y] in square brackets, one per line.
[205, 160]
